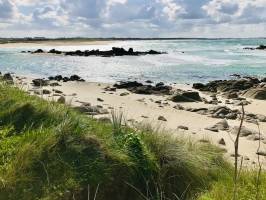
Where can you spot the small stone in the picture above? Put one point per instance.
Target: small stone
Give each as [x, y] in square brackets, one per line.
[61, 100]
[261, 153]
[46, 91]
[57, 91]
[246, 158]
[100, 100]
[124, 94]
[179, 107]
[183, 127]
[162, 118]
[222, 142]
[220, 126]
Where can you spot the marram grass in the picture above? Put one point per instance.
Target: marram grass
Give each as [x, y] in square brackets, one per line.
[49, 151]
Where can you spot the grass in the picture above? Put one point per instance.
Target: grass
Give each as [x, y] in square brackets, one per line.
[49, 151]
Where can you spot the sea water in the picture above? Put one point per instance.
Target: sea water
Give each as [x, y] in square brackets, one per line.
[186, 61]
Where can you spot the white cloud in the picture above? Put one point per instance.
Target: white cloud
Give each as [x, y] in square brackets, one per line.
[133, 18]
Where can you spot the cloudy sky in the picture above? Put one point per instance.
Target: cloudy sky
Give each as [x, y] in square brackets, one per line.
[133, 18]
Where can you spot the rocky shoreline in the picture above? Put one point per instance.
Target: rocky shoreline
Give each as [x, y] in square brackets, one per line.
[261, 47]
[198, 109]
[110, 53]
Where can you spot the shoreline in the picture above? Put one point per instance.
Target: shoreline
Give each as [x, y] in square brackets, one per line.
[54, 43]
[143, 108]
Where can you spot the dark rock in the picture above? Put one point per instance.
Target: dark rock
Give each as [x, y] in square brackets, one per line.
[38, 51]
[162, 118]
[220, 126]
[75, 78]
[149, 81]
[110, 89]
[127, 85]
[179, 107]
[183, 127]
[99, 99]
[139, 88]
[114, 52]
[221, 142]
[231, 95]
[186, 96]
[66, 79]
[124, 94]
[58, 78]
[46, 91]
[244, 131]
[40, 82]
[8, 78]
[256, 93]
[198, 86]
[261, 153]
[55, 51]
[61, 100]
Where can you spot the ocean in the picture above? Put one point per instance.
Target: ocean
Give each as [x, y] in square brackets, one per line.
[186, 61]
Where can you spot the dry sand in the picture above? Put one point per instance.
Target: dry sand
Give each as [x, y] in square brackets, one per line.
[142, 108]
[54, 43]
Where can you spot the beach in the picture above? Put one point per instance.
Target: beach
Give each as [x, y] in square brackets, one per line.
[58, 43]
[147, 109]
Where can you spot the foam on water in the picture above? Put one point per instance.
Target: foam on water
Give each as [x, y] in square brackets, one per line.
[202, 60]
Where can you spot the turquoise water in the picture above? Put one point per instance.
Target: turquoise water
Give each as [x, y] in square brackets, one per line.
[202, 60]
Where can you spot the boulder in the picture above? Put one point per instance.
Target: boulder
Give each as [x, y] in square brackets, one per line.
[256, 93]
[40, 82]
[186, 96]
[8, 78]
[220, 126]
[75, 78]
[162, 118]
[244, 131]
[61, 100]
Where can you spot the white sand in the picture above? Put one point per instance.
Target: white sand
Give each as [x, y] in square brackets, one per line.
[54, 43]
[136, 106]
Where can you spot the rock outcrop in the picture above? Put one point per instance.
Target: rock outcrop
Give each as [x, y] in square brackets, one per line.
[114, 52]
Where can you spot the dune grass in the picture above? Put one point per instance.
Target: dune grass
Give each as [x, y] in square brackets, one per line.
[49, 151]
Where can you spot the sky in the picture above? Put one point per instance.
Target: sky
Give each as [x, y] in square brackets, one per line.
[133, 18]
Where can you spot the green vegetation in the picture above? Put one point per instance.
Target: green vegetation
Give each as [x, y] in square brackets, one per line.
[49, 151]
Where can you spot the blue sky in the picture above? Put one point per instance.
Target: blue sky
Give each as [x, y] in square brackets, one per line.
[133, 18]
